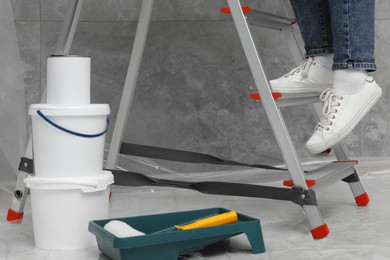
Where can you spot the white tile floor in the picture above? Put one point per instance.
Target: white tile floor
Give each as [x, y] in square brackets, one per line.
[356, 233]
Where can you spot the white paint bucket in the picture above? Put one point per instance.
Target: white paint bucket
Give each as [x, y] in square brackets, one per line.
[68, 80]
[63, 207]
[60, 149]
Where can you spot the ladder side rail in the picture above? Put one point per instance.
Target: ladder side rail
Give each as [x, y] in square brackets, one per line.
[298, 55]
[63, 45]
[293, 38]
[282, 136]
[130, 83]
[264, 89]
[68, 28]
[341, 155]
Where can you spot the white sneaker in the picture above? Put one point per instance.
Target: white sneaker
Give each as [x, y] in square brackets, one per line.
[311, 76]
[342, 112]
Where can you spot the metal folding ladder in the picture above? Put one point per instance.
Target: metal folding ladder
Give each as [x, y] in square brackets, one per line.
[319, 178]
[343, 169]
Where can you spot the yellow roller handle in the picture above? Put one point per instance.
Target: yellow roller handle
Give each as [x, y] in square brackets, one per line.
[221, 219]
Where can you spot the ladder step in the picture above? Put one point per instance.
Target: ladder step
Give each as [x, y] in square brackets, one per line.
[290, 183]
[226, 10]
[275, 95]
[263, 19]
[329, 174]
[291, 99]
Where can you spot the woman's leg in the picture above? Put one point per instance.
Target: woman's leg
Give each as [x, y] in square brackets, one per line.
[353, 27]
[315, 74]
[313, 17]
[354, 92]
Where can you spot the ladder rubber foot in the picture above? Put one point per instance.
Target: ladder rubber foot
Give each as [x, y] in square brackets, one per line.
[14, 217]
[362, 200]
[275, 95]
[320, 232]
[309, 183]
[226, 10]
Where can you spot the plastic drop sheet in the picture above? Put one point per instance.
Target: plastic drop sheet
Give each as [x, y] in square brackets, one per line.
[12, 100]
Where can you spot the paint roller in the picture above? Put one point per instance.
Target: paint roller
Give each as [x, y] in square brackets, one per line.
[122, 229]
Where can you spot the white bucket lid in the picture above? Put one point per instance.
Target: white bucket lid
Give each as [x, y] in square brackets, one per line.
[56, 110]
[86, 184]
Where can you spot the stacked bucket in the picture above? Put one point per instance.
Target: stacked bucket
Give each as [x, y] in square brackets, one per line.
[70, 187]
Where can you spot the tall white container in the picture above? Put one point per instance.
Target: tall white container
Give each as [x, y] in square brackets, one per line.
[69, 188]
[68, 80]
[62, 154]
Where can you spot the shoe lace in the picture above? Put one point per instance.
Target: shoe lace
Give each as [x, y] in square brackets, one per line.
[331, 102]
[304, 67]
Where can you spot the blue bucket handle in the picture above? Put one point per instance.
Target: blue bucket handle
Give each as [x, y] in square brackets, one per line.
[70, 131]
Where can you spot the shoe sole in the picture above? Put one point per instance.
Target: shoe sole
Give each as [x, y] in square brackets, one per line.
[314, 149]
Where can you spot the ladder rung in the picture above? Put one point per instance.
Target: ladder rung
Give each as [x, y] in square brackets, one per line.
[291, 99]
[331, 173]
[275, 95]
[327, 175]
[245, 9]
[263, 19]
[290, 183]
[269, 20]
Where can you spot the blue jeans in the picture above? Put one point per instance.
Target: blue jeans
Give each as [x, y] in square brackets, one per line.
[343, 27]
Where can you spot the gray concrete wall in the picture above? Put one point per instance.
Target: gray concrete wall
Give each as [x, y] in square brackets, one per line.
[194, 81]
[12, 110]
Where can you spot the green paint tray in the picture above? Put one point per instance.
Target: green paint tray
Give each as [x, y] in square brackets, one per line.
[163, 241]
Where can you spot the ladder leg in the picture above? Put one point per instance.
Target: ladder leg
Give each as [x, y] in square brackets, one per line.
[130, 83]
[319, 229]
[361, 197]
[15, 213]
[68, 28]
[356, 187]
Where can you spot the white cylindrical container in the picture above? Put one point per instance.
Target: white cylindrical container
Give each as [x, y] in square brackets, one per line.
[68, 80]
[58, 153]
[63, 207]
